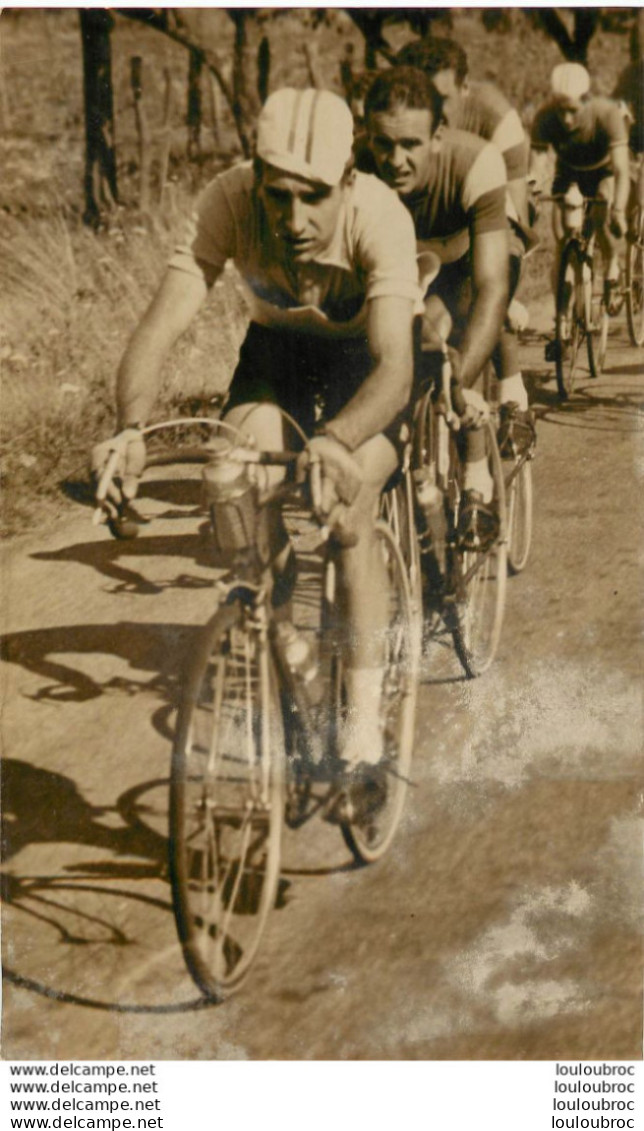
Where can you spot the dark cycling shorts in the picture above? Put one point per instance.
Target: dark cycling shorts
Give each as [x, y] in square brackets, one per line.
[588, 180]
[453, 285]
[312, 378]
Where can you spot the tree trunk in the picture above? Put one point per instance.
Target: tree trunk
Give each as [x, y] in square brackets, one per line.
[194, 105]
[143, 132]
[573, 47]
[100, 156]
[245, 85]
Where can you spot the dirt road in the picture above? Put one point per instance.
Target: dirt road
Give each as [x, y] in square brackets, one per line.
[504, 923]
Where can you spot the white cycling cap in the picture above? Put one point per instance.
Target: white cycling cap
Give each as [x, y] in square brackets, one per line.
[570, 80]
[306, 132]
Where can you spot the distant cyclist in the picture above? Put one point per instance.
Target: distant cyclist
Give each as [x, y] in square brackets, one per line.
[481, 109]
[454, 187]
[630, 93]
[328, 257]
[589, 138]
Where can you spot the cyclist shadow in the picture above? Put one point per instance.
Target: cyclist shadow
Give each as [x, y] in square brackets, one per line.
[156, 648]
[108, 559]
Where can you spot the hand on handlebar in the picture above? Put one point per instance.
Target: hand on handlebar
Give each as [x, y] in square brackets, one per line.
[117, 465]
[341, 479]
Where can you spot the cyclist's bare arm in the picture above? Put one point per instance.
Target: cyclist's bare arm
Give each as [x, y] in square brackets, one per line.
[169, 315]
[622, 174]
[387, 388]
[490, 260]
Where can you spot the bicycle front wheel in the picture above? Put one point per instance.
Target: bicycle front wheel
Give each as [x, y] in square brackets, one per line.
[479, 581]
[570, 317]
[397, 510]
[596, 316]
[226, 802]
[371, 832]
[635, 285]
[519, 498]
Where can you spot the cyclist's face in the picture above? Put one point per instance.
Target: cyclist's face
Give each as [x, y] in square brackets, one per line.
[403, 147]
[302, 214]
[451, 92]
[567, 111]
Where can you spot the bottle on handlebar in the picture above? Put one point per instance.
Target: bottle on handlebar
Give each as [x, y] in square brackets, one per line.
[232, 498]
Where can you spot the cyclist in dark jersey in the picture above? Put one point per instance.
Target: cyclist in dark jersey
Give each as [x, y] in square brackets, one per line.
[589, 138]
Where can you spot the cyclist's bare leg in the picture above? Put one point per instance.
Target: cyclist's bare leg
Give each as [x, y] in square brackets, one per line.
[508, 370]
[608, 244]
[438, 327]
[363, 594]
[559, 233]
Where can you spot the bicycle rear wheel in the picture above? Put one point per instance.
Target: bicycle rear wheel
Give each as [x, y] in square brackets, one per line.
[597, 317]
[635, 284]
[226, 802]
[371, 832]
[479, 581]
[570, 319]
[520, 505]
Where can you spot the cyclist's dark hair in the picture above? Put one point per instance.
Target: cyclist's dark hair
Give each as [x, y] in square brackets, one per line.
[432, 55]
[407, 88]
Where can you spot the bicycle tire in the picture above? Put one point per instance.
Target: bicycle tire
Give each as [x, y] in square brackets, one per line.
[397, 510]
[635, 284]
[596, 316]
[479, 580]
[433, 550]
[520, 516]
[569, 317]
[226, 802]
[370, 835]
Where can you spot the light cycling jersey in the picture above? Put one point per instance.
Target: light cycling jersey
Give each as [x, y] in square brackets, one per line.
[371, 255]
[599, 129]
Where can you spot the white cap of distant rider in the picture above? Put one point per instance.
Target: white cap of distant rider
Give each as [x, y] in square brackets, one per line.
[306, 132]
[570, 80]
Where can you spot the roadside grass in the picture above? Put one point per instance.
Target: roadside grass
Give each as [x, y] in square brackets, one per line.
[70, 299]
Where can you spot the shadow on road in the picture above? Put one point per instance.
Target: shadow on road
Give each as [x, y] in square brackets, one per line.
[106, 558]
[71, 917]
[158, 648]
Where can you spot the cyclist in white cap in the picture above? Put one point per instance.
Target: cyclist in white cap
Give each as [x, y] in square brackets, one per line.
[328, 257]
[590, 141]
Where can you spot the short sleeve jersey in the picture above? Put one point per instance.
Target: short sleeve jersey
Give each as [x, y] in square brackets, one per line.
[484, 111]
[599, 129]
[370, 255]
[464, 197]
[630, 89]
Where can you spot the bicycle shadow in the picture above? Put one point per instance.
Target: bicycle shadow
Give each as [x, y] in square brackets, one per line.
[594, 410]
[88, 921]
